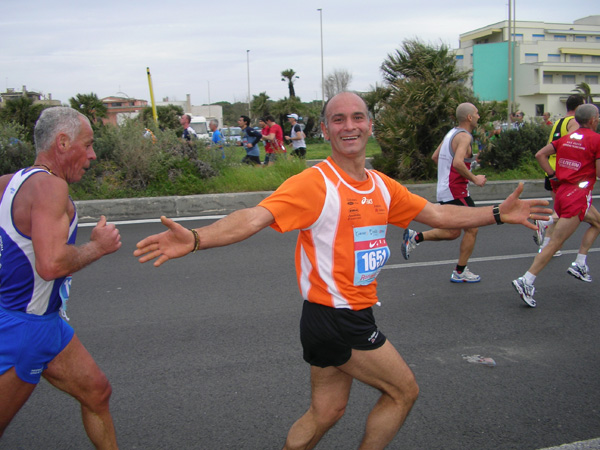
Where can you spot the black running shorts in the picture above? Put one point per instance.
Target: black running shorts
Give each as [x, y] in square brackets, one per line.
[465, 201]
[328, 335]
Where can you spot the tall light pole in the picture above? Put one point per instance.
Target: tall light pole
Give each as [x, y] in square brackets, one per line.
[322, 69]
[248, 64]
[511, 56]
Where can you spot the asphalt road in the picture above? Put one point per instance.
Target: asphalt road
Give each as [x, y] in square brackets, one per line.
[203, 353]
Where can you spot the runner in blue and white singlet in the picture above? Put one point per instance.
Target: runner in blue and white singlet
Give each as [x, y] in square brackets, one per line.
[21, 288]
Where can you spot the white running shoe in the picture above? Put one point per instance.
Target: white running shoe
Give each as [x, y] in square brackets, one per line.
[408, 242]
[465, 277]
[525, 290]
[581, 272]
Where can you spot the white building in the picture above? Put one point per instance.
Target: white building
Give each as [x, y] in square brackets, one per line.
[208, 111]
[550, 60]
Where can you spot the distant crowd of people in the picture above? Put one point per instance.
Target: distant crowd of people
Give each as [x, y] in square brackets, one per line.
[269, 132]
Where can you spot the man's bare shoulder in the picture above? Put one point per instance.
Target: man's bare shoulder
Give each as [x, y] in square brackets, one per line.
[462, 142]
[4, 180]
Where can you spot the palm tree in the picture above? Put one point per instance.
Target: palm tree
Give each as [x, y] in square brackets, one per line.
[89, 105]
[585, 90]
[281, 108]
[424, 87]
[23, 111]
[260, 105]
[290, 76]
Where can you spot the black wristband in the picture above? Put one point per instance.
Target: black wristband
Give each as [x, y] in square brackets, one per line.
[496, 211]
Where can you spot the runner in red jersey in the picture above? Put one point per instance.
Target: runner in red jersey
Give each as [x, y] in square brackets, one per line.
[577, 166]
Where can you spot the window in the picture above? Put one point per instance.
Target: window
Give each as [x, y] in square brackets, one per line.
[539, 110]
[591, 79]
[568, 79]
[548, 79]
[518, 37]
[576, 58]
[531, 57]
[459, 60]
[560, 37]
[538, 37]
[580, 38]
[553, 57]
[596, 59]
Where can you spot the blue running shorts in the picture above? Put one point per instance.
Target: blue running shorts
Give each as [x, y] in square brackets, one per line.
[29, 342]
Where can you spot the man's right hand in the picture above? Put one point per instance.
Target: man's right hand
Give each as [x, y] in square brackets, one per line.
[480, 180]
[106, 236]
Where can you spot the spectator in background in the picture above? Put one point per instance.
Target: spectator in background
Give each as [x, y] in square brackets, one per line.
[517, 120]
[274, 141]
[264, 128]
[296, 137]
[216, 142]
[546, 117]
[250, 140]
[189, 133]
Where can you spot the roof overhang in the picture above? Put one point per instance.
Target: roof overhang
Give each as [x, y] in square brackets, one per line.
[578, 32]
[480, 34]
[580, 51]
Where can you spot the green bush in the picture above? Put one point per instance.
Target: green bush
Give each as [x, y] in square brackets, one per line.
[132, 163]
[15, 151]
[508, 151]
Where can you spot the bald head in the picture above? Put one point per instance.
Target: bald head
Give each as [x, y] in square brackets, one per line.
[341, 97]
[464, 110]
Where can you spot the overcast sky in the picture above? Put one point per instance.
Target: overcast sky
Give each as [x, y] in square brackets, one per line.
[200, 47]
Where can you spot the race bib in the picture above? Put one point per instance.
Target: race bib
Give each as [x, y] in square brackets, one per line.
[371, 252]
[65, 291]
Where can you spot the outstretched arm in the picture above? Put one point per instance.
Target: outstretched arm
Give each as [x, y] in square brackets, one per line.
[512, 210]
[178, 241]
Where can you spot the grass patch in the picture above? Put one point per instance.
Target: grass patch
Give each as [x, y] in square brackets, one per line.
[164, 174]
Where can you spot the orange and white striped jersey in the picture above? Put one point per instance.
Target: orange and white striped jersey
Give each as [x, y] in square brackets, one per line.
[342, 244]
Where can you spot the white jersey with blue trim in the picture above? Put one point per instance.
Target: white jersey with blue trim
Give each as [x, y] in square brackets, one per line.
[21, 288]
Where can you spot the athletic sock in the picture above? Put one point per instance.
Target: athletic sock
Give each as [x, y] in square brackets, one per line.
[419, 238]
[529, 278]
[459, 269]
[581, 259]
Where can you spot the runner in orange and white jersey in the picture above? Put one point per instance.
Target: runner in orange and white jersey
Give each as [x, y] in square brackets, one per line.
[342, 212]
[342, 242]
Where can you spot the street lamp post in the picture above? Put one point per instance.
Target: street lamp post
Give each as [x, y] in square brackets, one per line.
[248, 64]
[322, 70]
[511, 56]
